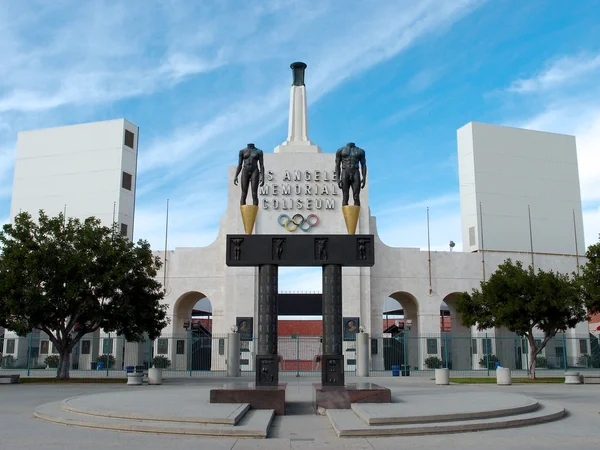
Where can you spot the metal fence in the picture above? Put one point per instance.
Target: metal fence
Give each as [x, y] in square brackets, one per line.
[403, 354]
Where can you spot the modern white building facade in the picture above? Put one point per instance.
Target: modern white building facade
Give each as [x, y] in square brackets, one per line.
[80, 170]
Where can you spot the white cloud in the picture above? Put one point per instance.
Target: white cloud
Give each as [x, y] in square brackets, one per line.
[557, 73]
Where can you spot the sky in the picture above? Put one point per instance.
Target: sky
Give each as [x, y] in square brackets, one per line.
[201, 79]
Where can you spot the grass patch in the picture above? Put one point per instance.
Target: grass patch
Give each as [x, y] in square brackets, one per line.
[31, 380]
[485, 380]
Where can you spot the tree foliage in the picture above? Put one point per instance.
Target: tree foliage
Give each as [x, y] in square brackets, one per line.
[69, 278]
[523, 302]
[590, 279]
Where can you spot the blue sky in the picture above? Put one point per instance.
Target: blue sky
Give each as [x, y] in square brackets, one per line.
[202, 79]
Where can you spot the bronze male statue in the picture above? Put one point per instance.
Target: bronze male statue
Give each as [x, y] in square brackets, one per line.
[253, 172]
[349, 157]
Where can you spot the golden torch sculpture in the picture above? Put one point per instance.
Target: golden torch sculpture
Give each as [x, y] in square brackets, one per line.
[351, 172]
[250, 164]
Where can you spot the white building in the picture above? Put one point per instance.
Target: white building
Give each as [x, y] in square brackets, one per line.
[81, 170]
[505, 175]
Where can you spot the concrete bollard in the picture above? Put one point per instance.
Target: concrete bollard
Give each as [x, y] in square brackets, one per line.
[442, 377]
[155, 376]
[362, 354]
[572, 378]
[503, 376]
[233, 355]
[135, 378]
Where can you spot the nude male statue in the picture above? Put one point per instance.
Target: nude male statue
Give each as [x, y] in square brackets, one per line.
[348, 158]
[253, 172]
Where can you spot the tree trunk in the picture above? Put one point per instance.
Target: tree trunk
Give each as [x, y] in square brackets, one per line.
[63, 364]
[532, 355]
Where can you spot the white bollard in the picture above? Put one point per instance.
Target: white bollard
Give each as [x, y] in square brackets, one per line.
[155, 375]
[362, 354]
[442, 377]
[135, 378]
[572, 378]
[233, 355]
[503, 376]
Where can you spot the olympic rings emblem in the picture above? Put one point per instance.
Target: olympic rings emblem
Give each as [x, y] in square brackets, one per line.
[298, 221]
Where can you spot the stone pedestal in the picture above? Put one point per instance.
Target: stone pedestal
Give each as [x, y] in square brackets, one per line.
[503, 376]
[442, 377]
[233, 355]
[259, 397]
[341, 397]
[362, 354]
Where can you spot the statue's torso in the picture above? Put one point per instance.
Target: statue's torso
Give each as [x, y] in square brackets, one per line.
[351, 156]
[251, 157]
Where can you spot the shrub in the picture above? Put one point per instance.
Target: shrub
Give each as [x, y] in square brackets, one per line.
[491, 361]
[8, 362]
[541, 362]
[108, 360]
[52, 361]
[161, 362]
[433, 362]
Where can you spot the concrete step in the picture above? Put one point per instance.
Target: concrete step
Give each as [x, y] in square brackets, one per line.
[225, 413]
[444, 407]
[346, 423]
[255, 423]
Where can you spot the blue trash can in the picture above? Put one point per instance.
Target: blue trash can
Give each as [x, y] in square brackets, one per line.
[497, 364]
[396, 371]
[129, 369]
[100, 365]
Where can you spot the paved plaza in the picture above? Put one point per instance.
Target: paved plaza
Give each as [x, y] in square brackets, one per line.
[300, 428]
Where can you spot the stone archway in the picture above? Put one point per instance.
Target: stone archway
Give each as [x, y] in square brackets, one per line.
[192, 344]
[182, 310]
[404, 344]
[457, 347]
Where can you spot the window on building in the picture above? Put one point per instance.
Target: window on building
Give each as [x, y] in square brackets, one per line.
[126, 182]
[474, 346]
[472, 236]
[107, 346]
[54, 348]
[180, 347]
[524, 345]
[129, 139]
[44, 347]
[10, 346]
[432, 346]
[583, 348]
[162, 346]
[124, 229]
[86, 347]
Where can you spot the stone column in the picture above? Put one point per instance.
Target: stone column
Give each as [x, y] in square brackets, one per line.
[362, 354]
[332, 372]
[233, 355]
[267, 367]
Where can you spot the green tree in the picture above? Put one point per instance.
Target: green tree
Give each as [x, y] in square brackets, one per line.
[523, 301]
[590, 279]
[69, 278]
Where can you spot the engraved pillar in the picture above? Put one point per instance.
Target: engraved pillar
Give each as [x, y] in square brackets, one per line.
[332, 372]
[267, 370]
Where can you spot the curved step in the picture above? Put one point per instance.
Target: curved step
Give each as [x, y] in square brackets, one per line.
[445, 407]
[346, 423]
[254, 424]
[204, 413]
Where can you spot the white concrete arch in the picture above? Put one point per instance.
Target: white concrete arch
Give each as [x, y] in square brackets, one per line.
[182, 309]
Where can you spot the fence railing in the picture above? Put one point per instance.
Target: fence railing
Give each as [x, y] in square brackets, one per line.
[204, 355]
